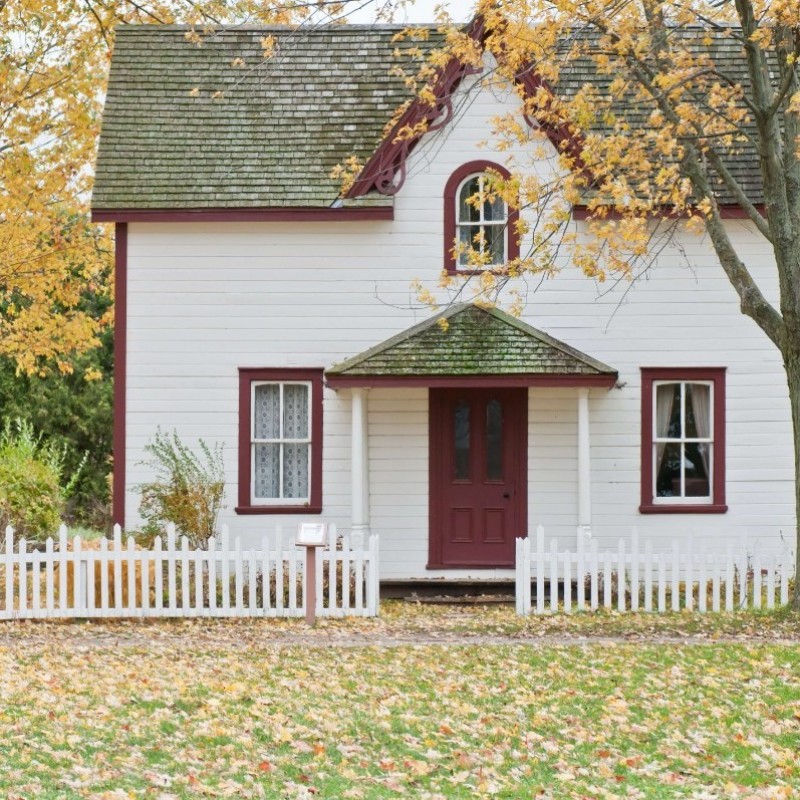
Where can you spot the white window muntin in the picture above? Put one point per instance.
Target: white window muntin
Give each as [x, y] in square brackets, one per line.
[683, 440]
[476, 225]
[281, 441]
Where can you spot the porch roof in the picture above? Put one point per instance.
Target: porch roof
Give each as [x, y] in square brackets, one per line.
[467, 345]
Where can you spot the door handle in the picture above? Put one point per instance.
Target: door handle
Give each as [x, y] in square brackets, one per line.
[506, 495]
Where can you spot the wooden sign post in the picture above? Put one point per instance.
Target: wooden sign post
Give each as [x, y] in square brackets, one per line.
[311, 535]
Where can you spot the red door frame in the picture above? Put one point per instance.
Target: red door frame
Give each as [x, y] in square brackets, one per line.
[438, 461]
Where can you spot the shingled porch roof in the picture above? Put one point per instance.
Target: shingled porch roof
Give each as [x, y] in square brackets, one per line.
[477, 347]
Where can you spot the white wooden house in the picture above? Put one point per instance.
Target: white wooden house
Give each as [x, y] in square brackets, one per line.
[258, 309]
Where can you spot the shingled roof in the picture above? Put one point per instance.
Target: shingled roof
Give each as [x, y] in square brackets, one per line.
[475, 342]
[271, 139]
[728, 55]
[280, 125]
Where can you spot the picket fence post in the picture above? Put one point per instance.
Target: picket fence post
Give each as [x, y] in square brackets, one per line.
[519, 576]
[580, 573]
[375, 581]
[635, 569]
[540, 569]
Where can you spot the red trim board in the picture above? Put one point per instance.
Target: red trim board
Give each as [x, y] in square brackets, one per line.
[470, 381]
[120, 366]
[242, 214]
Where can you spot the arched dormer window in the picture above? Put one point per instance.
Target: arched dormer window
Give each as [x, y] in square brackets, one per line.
[472, 216]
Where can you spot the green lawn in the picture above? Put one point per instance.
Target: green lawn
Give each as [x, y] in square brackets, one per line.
[234, 709]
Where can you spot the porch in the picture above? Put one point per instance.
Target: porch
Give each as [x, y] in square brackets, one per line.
[462, 430]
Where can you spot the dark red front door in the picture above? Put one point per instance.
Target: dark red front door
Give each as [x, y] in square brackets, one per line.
[478, 482]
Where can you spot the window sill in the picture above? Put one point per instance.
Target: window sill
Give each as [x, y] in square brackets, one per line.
[278, 509]
[495, 269]
[711, 508]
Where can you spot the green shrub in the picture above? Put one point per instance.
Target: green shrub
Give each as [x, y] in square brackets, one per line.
[75, 413]
[187, 490]
[32, 495]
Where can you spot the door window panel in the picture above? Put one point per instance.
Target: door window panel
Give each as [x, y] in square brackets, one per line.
[461, 420]
[494, 440]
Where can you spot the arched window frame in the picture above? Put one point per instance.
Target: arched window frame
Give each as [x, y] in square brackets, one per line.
[451, 192]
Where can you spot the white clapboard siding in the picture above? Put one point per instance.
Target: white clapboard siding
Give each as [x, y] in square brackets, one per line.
[629, 578]
[116, 579]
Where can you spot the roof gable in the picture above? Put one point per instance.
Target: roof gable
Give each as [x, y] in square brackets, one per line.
[475, 342]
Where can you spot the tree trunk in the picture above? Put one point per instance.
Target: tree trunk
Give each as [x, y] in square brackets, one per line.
[791, 360]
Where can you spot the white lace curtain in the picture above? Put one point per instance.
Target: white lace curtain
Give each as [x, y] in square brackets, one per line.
[281, 468]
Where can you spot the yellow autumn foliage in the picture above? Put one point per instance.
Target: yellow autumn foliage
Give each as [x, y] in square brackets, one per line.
[54, 57]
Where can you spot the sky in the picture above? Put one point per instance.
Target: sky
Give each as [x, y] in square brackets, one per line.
[419, 11]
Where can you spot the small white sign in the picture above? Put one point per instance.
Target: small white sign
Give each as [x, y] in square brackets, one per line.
[312, 534]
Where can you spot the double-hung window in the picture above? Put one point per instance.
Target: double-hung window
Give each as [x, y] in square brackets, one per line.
[280, 440]
[683, 440]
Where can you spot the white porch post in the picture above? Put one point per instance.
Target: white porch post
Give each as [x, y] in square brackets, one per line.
[359, 478]
[584, 470]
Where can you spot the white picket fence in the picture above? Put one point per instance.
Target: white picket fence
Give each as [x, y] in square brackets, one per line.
[113, 578]
[634, 579]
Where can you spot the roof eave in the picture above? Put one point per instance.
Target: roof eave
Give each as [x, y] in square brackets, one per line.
[272, 214]
[517, 380]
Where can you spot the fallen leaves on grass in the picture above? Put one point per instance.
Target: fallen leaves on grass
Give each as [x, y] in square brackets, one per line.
[91, 714]
[413, 623]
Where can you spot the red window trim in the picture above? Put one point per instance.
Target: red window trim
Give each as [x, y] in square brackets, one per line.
[717, 376]
[453, 182]
[246, 376]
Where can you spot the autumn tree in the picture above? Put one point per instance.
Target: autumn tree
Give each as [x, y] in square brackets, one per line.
[54, 57]
[681, 92]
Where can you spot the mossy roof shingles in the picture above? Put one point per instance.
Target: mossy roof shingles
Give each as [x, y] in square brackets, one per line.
[281, 124]
[726, 50]
[475, 342]
[273, 136]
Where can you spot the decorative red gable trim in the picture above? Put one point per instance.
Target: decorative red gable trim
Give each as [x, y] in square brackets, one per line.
[345, 214]
[561, 137]
[385, 172]
[120, 353]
